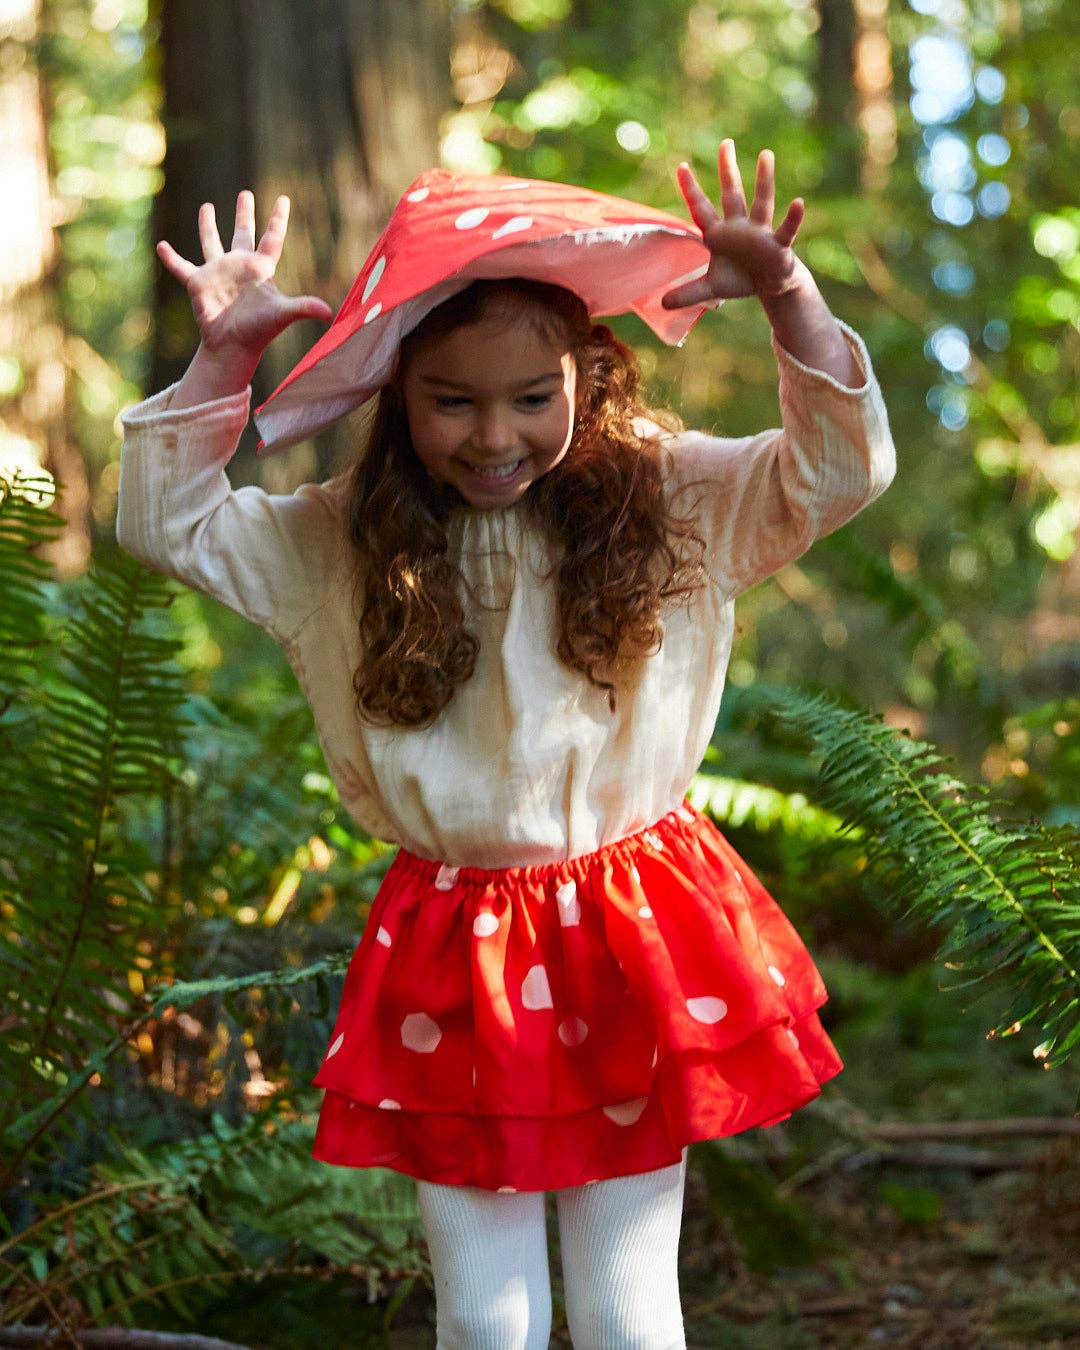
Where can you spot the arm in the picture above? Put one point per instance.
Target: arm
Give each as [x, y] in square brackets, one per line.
[257, 553]
[765, 499]
[761, 501]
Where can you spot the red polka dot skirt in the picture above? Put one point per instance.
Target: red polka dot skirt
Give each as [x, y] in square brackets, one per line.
[534, 1028]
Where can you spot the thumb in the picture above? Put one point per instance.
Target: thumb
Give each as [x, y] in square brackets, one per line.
[306, 307]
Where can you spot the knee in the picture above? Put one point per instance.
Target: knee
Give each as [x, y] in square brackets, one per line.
[506, 1321]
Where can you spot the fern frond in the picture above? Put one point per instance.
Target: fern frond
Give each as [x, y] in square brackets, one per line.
[1007, 895]
[107, 727]
[737, 803]
[25, 526]
[234, 1203]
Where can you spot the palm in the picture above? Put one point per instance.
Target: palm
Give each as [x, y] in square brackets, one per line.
[747, 256]
[233, 295]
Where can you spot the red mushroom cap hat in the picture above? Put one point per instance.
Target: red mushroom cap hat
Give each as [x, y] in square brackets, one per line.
[451, 229]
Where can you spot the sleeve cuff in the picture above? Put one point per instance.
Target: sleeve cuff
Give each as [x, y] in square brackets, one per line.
[157, 410]
[802, 372]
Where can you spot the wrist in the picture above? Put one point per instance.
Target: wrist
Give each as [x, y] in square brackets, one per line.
[215, 372]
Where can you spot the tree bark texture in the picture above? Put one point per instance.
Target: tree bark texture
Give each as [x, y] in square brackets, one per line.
[334, 102]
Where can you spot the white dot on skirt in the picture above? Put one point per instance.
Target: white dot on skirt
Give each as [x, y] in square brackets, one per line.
[706, 1009]
[569, 904]
[626, 1113]
[446, 877]
[513, 226]
[573, 1031]
[336, 1046]
[645, 912]
[684, 814]
[793, 1038]
[417, 195]
[382, 936]
[421, 1033]
[778, 976]
[636, 875]
[374, 277]
[388, 1104]
[485, 924]
[535, 990]
[373, 312]
[468, 220]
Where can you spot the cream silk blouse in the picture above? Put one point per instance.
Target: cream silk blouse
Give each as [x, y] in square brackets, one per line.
[526, 764]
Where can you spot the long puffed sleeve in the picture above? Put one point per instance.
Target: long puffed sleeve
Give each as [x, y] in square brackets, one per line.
[762, 500]
[264, 555]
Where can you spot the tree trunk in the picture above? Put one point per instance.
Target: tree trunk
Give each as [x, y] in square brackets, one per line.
[835, 94]
[334, 102]
[33, 371]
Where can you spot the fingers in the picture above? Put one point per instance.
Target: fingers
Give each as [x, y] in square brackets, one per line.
[180, 268]
[702, 211]
[244, 228]
[732, 197]
[789, 227]
[208, 233]
[761, 212]
[274, 235]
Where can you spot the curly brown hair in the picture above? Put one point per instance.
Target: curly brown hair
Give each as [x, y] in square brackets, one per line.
[620, 555]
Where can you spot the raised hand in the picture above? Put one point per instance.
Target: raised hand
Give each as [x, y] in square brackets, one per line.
[748, 257]
[236, 304]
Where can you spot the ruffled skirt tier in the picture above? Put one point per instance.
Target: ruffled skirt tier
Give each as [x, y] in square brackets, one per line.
[542, 1027]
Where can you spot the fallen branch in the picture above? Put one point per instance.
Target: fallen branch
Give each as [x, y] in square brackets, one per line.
[1031, 1126]
[105, 1338]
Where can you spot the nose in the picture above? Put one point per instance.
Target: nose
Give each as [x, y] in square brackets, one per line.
[494, 429]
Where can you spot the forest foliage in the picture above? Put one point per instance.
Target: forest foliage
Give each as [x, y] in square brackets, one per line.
[179, 887]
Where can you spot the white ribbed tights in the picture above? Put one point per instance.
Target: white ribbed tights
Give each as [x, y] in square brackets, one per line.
[620, 1247]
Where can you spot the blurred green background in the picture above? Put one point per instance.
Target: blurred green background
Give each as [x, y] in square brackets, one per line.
[937, 145]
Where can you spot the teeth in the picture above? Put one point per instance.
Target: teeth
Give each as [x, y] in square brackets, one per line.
[497, 470]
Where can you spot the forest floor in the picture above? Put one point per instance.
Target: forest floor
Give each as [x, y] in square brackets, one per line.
[991, 1263]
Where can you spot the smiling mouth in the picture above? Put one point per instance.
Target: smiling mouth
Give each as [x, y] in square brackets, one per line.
[494, 473]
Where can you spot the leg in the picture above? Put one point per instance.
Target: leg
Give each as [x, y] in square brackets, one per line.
[620, 1254]
[489, 1257]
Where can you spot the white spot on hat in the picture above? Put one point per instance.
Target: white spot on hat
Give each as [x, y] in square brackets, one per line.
[374, 277]
[388, 1104]
[446, 877]
[383, 936]
[513, 226]
[336, 1046]
[468, 220]
[706, 1009]
[569, 904]
[510, 187]
[421, 1033]
[535, 990]
[507, 1190]
[417, 195]
[485, 924]
[793, 1038]
[626, 1113]
[373, 312]
[778, 976]
[573, 1031]
[645, 912]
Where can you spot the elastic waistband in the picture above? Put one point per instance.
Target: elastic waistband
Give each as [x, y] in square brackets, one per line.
[683, 820]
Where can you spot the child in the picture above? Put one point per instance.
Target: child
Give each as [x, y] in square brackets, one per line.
[512, 618]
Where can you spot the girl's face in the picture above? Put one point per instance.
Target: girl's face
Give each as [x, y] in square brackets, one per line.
[490, 405]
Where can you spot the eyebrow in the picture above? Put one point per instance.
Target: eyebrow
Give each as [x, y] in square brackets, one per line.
[440, 382]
